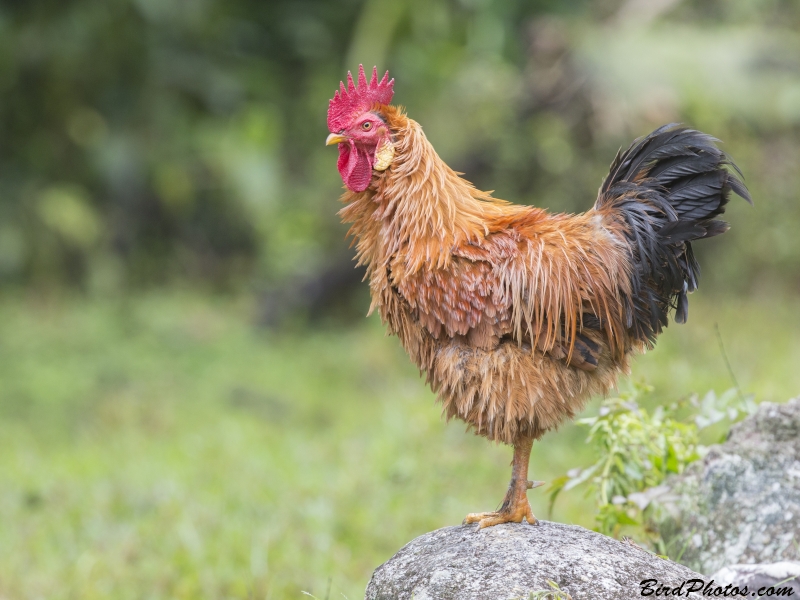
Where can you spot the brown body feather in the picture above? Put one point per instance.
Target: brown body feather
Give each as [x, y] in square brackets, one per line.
[515, 315]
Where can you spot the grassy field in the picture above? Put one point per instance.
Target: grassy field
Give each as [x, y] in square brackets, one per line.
[163, 447]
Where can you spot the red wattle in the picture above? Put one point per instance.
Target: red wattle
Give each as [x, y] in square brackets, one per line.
[355, 166]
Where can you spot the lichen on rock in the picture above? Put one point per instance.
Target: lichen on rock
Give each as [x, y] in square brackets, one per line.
[741, 502]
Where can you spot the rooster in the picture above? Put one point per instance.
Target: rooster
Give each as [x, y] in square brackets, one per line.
[518, 316]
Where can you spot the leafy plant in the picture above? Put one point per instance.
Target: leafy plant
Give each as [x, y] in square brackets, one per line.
[554, 593]
[638, 449]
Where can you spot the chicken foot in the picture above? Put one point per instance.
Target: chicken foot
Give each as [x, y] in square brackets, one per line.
[515, 505]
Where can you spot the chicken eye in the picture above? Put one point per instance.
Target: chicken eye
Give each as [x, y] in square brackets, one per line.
[366, 125]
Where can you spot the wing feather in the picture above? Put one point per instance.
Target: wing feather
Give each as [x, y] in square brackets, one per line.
[550, 282]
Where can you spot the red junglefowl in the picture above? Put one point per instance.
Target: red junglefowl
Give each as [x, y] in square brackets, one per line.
[516, 315]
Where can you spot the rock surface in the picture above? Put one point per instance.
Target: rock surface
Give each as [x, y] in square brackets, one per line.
[512, 560]
[741, 503]
[756, 577]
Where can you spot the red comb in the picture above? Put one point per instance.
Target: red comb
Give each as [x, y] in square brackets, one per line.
[350, 102]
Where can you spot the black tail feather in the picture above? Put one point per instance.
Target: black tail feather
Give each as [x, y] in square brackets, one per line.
[669, 186]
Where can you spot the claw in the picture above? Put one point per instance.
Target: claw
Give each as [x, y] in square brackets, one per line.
[535, 484]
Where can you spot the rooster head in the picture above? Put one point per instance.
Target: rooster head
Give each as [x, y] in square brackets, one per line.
[357, 126]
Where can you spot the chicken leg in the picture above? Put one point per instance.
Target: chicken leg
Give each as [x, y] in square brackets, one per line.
[515, 504]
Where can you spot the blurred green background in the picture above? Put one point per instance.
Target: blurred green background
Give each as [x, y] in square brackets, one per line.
[191, 402]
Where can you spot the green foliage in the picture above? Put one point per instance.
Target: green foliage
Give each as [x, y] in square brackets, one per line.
[637, 450]
[554, 593]
[146, 141]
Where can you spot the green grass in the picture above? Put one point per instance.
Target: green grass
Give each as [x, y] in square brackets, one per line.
[163, 447]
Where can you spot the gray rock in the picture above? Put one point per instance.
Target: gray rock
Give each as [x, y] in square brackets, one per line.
[741, 502]
[513, 560]
[776, 575]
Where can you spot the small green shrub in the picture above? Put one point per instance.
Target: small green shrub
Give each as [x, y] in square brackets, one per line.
[636, 450]
[554, 593]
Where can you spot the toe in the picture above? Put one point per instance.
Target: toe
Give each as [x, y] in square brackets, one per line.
[492, 520]
[529, 517]
[488, 522]
[477, 517]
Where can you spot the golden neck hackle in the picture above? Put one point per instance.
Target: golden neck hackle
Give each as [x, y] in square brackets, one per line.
[419, 209]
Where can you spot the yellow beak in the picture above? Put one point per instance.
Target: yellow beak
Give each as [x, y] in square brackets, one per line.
[335, 138]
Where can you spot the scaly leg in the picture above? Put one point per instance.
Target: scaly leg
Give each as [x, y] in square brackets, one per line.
[515, 504]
